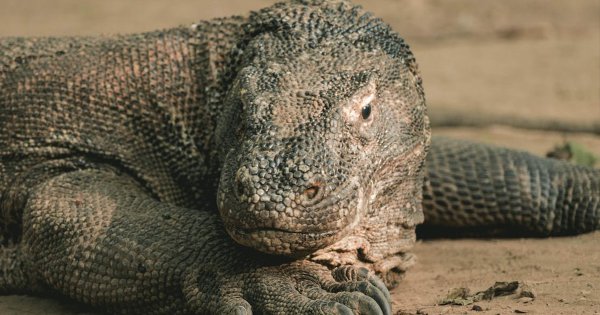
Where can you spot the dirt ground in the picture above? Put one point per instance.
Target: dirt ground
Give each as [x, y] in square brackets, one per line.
[514, 60]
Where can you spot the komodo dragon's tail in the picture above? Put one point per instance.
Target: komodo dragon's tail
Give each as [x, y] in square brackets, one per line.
[474, 188]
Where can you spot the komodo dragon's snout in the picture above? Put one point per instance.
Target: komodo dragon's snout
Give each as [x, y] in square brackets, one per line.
[313, 127]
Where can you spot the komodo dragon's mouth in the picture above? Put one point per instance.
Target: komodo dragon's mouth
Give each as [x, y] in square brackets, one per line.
[307, 230]
[284, 242]
[277, 239]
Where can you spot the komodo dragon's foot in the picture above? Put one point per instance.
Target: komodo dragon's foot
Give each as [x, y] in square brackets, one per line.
[296, 288]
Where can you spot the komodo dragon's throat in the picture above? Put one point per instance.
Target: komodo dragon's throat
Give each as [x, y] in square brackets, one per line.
[133, 167]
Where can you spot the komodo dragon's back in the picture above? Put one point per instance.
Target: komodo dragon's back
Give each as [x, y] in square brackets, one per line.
[150, 173]
[128, 102]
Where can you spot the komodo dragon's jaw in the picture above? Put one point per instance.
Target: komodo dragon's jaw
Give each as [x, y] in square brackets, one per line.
[324, 139]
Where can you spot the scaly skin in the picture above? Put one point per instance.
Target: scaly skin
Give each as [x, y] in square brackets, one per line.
[484, 189]
[133, 168]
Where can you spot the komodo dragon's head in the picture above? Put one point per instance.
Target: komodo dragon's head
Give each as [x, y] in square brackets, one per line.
[325, 135]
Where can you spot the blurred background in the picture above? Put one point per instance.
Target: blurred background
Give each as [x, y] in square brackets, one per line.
[524, 62]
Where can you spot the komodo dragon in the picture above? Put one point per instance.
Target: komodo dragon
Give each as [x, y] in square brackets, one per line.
[272, 163]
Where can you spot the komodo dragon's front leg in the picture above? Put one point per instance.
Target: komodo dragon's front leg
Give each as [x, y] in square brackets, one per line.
[99, 238]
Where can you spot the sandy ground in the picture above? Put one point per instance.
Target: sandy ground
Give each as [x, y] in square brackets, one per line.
[527, 59]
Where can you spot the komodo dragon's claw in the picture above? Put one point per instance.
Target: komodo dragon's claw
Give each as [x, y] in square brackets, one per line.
[300, 287]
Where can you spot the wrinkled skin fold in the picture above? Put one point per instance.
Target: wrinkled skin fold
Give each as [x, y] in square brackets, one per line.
[266, 164]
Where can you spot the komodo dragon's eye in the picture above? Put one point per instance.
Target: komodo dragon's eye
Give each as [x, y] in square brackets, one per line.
[365, 112]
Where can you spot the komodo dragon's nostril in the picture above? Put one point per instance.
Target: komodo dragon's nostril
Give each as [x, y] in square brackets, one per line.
[313, 191]
[241, 190]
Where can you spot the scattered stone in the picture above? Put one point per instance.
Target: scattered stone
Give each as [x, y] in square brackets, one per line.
[499, 289]
[520, 312]
[525, 300]
[461, 296]
[477, 308]
[525, 291]
[458, 296]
